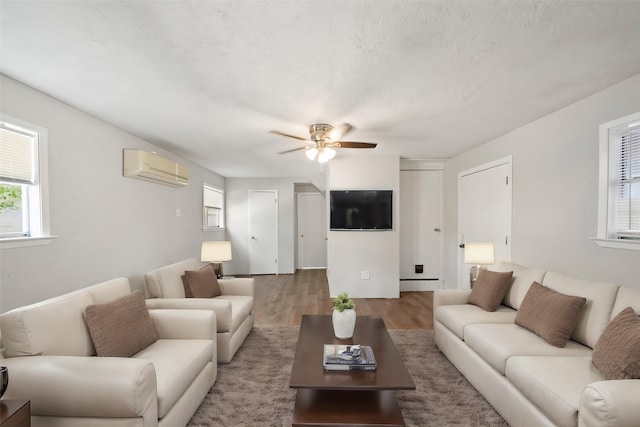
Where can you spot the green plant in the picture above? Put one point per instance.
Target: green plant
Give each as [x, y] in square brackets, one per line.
[10, 197]
[342, 302]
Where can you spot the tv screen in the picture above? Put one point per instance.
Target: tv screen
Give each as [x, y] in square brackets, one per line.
[360, 209]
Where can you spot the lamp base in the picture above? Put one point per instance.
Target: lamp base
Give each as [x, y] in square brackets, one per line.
[474, 272]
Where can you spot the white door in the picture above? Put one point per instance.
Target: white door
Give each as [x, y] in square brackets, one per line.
[484, 211]
[312, 230]
[420, 236]
[263, 231]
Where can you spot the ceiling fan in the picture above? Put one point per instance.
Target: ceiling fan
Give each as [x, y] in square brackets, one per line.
[323, 138]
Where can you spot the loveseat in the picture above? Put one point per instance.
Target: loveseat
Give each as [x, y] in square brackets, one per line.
[50, 350]
[164, 288]
[526, 379]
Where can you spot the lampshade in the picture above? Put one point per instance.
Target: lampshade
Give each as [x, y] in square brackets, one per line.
[325, 154]
[478, 253]
[216, 251]
[312, 153]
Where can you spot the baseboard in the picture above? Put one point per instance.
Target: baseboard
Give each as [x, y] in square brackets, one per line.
[420, 285]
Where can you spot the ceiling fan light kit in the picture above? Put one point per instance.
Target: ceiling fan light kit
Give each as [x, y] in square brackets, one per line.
[323, 138]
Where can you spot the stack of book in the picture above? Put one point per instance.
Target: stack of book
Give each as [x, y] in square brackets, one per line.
[348, 358]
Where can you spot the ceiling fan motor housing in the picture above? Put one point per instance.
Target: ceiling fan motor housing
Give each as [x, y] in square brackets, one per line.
[320, 131]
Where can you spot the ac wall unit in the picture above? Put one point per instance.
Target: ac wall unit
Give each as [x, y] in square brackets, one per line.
[140, 164]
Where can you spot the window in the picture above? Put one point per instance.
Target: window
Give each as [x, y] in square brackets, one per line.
[619, 197]
[213, 207]
[23, 207]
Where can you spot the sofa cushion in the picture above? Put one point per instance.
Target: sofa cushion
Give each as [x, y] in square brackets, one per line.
[27, 331]
[456, 317]
[490, 288]
[174, 378]
[522, 279]
[626, 297]
[496, 343]
[596, 314]
[201, 283]
[122, 327]
[553, 384]
[617, 352]
[550, 314]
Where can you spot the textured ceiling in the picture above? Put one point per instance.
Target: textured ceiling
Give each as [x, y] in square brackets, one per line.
[424, 79]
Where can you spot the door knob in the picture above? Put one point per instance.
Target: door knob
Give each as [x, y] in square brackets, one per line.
[302, 235]
[253, 237]
[437, 230]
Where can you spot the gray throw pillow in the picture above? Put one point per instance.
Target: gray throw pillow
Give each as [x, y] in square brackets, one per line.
[490, 288]
[122, 327]
[550, 314]
[201, 283]
[617, 351]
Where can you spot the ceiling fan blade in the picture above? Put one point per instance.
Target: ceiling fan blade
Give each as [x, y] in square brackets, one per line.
[293, 149]
[340, 131]
[277, 132]
[350, 144]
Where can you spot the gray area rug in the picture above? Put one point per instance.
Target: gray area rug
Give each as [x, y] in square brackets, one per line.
[253, 390]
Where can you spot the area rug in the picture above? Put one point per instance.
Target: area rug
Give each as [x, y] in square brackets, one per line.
[253, 390]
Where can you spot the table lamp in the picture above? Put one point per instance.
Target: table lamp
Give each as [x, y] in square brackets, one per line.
[216, 252]
[478, 254]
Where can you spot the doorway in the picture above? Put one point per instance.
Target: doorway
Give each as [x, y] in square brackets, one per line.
[421, 242]
[484, 211]
[312, 230]
[263, 231]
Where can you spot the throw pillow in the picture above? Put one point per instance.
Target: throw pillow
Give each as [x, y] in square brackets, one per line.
[201, 283]
[617, 351]
[550, 314]
[490, 288]
[122, 327]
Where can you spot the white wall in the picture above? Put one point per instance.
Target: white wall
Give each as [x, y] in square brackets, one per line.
[108, 226]
[555, 190]
[351, 252]
[238, 221]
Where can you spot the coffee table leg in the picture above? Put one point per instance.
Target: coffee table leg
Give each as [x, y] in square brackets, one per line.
[344, 407]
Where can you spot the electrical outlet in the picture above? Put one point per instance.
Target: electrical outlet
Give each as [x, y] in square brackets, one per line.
[178, 213]
[364, 275]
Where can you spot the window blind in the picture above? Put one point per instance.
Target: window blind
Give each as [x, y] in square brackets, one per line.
[16, 155]
[212, 198]
[627, 203]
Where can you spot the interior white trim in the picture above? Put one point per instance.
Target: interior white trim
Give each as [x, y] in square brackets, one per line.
[22, 242]
[605, 221]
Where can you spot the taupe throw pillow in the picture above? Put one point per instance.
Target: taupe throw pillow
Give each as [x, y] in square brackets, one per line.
[549, 314]
[617, 351]
[201, 283]
[122, 327]
[490, 288]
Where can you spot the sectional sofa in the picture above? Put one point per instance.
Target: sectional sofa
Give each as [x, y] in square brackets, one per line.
[156, 366]
[527, 380]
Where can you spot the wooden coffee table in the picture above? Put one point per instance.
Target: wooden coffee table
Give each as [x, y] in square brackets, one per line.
[364, 398]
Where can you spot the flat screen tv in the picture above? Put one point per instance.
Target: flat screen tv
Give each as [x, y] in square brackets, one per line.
[361, 209]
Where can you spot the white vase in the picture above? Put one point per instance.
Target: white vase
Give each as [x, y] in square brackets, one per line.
[344, 322]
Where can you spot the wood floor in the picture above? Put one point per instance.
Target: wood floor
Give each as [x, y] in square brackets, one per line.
[281, 300]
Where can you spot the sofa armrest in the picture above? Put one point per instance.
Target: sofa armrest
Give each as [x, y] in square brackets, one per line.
[610, 403]
[221, 307]
[73, 386]
[237, 286]
[184, 324]
[450, 297]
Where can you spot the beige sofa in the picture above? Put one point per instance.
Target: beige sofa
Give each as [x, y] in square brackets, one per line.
[51, 359]
[528, 381]
[234, 308]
